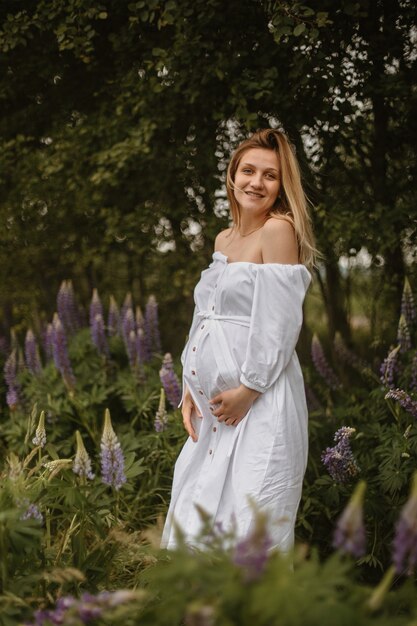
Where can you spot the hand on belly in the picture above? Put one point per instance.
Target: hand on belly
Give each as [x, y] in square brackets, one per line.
[233, 404]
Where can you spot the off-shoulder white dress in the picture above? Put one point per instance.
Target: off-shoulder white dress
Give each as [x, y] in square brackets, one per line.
[245, 327]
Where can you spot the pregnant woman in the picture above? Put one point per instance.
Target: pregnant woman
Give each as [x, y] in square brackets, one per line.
[243, 402]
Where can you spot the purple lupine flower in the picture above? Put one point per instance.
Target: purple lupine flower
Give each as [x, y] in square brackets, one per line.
[10, 376]
[33, 361]
[127, 305]
[389, 367]
[98, 335]
[96, 308]
[413, 382]
[40, 434]
[405, 538]
[161, 416]
[408, 308]
[128, 324]
[144, 347]
[131, 349]
[339, 460]
[82, 461]
[404, 400]
[321, 364]
[48, 342]
[403, 335]
[4, 345]
[112, 460]
[170, 381]
[60, 352]
[347, 355]
[140, 346]
[113, 318]
[349, 535]
[66, 307]
[252, 552]
[31, 511]
[152, 325]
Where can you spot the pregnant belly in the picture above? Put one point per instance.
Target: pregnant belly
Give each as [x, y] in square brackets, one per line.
[219, 365]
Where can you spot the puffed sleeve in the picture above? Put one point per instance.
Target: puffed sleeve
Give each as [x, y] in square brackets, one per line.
[276, 320]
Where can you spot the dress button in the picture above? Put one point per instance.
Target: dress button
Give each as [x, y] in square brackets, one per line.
[210, 451]
[212, 308]
[215, 285]
[202, 327]
[200, 392]
[194, 349]
[214, 429]
[193, 372]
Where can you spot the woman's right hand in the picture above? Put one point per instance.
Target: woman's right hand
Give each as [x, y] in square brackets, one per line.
[187, 409]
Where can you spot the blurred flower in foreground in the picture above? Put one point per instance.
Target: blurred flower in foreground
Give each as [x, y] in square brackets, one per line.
[40, 434]
[405, 539]
[87, 609]
[252, 552]
[161, 414]
[321, 364]
[349, 534]
[82, 461]
[170, 381]
[31, 512]
[33, 362]
[339, 460]
[404, 400]
[112, 460]
[389, 367]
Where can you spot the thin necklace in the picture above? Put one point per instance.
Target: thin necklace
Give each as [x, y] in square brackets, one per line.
[250, 232]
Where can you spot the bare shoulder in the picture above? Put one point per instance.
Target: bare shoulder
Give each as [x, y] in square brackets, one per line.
[279, 241]
[221, 239]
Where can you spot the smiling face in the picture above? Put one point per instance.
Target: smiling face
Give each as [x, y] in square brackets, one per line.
[257, 180]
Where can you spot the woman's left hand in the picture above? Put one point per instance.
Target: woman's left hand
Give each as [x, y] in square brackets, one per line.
[233, 404]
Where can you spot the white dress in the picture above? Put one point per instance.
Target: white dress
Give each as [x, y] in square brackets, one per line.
[245, 327]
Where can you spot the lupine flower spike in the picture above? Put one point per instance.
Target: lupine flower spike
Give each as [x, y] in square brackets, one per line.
[170, 381]
[33, 362]
[152, 325]
[82, 461]
[349, 536]
[143, 345]
[408, 308]
[40, 434]
[405, 540]
[113, 318]
[339, 460]
[98, 335]
[389, 367]
[403, 334]
[347, 355]
[66, 306]
[112, 460]
[48, 343]
[60, 352]
[31, 511]
[321, 364]
[404, 400]
[127, 304]
[161, 414]
[10, 376]
[413, 383]
[96, 308]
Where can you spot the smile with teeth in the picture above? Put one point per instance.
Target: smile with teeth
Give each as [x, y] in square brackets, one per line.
[253, 193]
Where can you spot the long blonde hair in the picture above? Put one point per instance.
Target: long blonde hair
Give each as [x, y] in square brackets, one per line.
[291, 203]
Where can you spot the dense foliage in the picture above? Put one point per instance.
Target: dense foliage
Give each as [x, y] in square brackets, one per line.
[89, 440]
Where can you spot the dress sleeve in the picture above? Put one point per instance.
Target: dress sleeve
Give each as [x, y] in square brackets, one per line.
[276, 320]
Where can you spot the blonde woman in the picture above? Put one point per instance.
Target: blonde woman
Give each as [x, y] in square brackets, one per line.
[243, 402]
